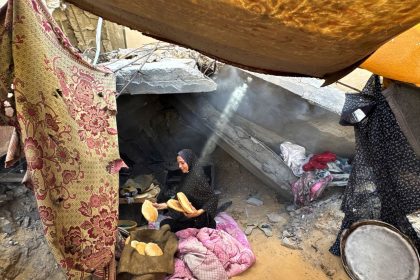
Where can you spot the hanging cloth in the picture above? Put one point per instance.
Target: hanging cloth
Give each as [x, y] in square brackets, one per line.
[64, 113]
[384, 183]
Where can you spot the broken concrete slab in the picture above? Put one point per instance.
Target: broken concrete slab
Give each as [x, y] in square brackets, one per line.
[291, 109]
[289, 243]
[169, 75]
[254, 201]
[276, 218]
[11, 177]
[6, 226]
[246, 149]
[311, 89]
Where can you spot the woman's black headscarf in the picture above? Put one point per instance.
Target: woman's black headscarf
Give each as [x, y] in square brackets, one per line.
[195, 185]
[189, 157]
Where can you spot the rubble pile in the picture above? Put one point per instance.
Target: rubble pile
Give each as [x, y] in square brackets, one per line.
[323, 215]
[205, 64]
[24, 253]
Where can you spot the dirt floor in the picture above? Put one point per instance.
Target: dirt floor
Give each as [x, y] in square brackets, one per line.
[309, 231]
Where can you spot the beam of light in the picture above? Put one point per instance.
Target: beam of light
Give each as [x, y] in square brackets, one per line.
[230, 108]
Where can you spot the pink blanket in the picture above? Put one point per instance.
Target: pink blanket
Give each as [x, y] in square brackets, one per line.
[207, 254]
[228, 224]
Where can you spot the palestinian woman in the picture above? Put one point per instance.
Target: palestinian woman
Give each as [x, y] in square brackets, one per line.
[198, 191]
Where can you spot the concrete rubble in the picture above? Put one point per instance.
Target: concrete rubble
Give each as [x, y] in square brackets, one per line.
[323, 215]
[167, 76]
[311, 89]
[254, 201]
[24, 253]
[276, 218]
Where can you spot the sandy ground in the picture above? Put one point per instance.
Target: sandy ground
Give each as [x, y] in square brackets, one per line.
[277, 262]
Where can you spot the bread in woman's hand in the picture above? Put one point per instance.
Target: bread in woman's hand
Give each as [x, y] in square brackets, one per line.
[185, 203]
[175, 205]
[149, 212]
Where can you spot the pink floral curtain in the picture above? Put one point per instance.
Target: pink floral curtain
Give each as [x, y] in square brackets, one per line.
[64, 113]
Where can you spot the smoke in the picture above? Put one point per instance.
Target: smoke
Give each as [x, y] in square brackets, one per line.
[231, 107]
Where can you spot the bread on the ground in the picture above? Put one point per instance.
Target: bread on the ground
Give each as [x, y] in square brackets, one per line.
[153, 250]
[149, 212]
[174, 204]
[185, 203]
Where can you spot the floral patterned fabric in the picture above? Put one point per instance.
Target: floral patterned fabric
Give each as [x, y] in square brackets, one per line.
[64, 111]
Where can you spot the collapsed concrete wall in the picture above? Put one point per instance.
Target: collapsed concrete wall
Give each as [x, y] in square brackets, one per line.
[283, 114]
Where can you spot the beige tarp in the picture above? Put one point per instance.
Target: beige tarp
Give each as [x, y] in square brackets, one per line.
[323, 38]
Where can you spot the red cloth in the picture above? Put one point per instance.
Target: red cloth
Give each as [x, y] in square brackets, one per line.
[319, 161]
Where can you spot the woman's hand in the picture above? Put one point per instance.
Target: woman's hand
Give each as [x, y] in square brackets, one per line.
[195, 214]
[160, 206]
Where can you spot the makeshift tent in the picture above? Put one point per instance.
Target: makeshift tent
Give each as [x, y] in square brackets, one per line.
[399, 59]
[324, 39]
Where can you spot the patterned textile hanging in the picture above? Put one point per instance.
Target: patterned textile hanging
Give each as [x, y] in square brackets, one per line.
[64, 111]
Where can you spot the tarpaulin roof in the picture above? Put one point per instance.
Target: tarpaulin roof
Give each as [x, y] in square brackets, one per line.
[323, 38]
[398, 59]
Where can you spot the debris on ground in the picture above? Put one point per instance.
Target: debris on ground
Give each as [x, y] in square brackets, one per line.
[266, 228]
[290, 243]
[24, 253]
[276, 218]
[254, 201]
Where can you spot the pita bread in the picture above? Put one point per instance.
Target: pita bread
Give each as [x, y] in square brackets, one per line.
[140, 248]
[153, 250]
[185, 203]
[149, 212]
[175, 205]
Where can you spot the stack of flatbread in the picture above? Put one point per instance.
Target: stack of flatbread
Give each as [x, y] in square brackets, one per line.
[182, 204]
[145, 249]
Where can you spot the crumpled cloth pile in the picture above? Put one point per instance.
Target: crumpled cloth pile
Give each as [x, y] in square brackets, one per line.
[142, 186]
[208, 254]
[294, 156]
[316, 172]
[310, 186]
[319, 161]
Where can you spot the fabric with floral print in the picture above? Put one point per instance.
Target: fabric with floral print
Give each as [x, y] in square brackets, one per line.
[64, 113]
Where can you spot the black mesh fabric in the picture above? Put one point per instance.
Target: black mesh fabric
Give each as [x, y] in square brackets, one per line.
[385, 180]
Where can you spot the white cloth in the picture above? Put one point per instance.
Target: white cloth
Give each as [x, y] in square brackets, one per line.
[294, 156]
